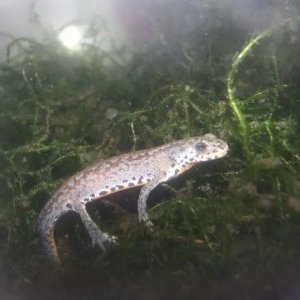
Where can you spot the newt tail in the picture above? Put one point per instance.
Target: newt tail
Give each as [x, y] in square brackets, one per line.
[45, 228]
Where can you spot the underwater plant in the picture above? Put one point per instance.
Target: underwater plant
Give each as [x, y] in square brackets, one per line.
[62, 110]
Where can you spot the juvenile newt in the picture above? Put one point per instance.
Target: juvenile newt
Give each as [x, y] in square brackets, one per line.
[146, 168]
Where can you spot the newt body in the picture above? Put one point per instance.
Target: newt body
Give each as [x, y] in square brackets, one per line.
[146, 168]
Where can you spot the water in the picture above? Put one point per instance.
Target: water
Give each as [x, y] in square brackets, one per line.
[144, 74]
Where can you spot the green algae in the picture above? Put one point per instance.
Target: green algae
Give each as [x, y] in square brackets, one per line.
[229, 216]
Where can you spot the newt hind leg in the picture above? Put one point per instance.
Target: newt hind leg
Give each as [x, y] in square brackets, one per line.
[99, 238]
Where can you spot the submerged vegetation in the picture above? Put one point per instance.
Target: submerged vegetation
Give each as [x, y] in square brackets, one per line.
[61, 110]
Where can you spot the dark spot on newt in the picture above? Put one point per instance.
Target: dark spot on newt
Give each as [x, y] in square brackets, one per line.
[131, 184]
[113, 189]
[92, 195]
[68, 205]
[102, 193]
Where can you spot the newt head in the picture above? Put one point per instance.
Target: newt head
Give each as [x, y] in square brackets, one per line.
[197, 149]
[208, 147]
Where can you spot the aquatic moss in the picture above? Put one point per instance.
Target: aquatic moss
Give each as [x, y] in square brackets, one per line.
[228, 216]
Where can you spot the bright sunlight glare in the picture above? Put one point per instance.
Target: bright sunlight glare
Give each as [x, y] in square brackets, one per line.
[71, 37]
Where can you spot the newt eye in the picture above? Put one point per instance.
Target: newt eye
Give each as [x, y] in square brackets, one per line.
[200, 146]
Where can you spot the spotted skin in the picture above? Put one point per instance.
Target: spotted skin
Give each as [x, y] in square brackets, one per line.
[146, 168]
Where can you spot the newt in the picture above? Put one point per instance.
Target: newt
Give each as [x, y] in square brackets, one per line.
[144, 168]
